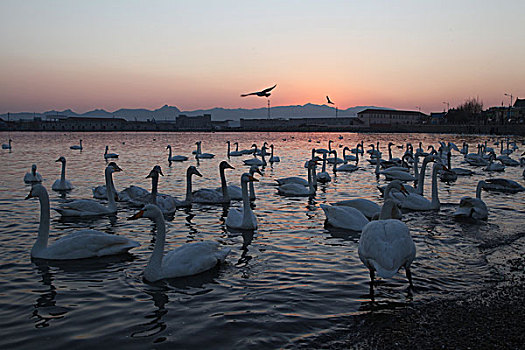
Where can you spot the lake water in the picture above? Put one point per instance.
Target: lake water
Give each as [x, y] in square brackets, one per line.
[282, 286]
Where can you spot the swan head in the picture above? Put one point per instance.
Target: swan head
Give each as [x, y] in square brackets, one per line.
[168, 147]
[255, 169]
[247, 178]
[198, 142]
[61, 160]
[193, 171]
[33, 168]
[150, 211]
[225, 165]
[390, 210]
[114, 167]
[156, 171]
[390, 144]
[36, 191]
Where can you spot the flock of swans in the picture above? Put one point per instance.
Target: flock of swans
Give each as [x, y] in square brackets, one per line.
[385, 243]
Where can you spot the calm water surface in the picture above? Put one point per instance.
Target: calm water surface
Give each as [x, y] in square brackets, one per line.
[281, 286]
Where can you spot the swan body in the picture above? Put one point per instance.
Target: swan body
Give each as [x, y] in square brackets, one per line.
[78, 245]
[100, 192]
[33, 176]
[109, 155]
[186, 260]
[292, 180]
[365, 206]
[243, 218]
[7, 145]
[299, 190]
[274, 159]
[200, 155]
[473, 208]
[503, 185]
[62, 184]
[344, 217]
[79, 146]
[211, 196]
[89, 207]
[235, 153]
[385, 246]
[176, 158]
[323, 176]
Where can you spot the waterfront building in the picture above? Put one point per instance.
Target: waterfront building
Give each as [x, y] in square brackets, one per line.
[200, 122]
[387, 117]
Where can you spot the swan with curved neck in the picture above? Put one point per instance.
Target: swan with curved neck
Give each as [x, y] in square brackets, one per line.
[386, 245]
[109, 155]
[33, 176]
[255, 160]
[176, 158]
[200, 155]
[78, 245]
[299, 190]
[235, 153]
[186, 260]
[323, 176]
[211, 196]
[79, 146]
[89, 207]
[348, 167]
[473, 208]
[235, 192]
[243, 219]
[414, 201]
[7, 145]
[62, 184]
[100, 192]
[274, 159]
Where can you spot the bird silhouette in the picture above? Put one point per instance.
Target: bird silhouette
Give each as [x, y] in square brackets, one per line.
[328, 99]
[263, 93]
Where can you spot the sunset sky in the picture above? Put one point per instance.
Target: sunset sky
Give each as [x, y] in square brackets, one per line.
[202, 54]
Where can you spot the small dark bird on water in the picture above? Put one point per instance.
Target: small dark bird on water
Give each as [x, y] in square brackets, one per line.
[328, 99]
[263, 93]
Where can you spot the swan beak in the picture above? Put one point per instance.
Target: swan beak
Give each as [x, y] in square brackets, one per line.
[196, 172]
[137, 215]
[160, 172]
[228, 166]
[117, 168]
[404, 190]
[30, 195]
[58, 160]
[251, 178]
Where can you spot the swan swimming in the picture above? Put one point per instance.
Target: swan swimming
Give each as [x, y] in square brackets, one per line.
[175, 158]
[79, 146]
[211, 196]
[32, 176]
[186, 260]
[473, 208]
[62, 184]
[109, 155]
[298, 190]
[78, 245]
[243, 218]
[88, 207]
[7, 145]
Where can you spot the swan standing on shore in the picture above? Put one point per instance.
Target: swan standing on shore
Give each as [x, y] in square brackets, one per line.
[186, 260]
[473, 208]
[243, 218]
[62, 184]
[33, 176]
[211, 196]
[78, 245]
[109, 155]
[386, 245]
[89, 207]
[79, 146]
[175, 158]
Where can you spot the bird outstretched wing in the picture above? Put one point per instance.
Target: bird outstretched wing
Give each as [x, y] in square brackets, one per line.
[251, 93]
[269, 89]
[328, 99]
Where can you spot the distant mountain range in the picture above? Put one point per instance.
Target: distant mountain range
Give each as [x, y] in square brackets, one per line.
[166, 112]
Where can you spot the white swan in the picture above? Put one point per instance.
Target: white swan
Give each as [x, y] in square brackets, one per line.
[200, 155]
[186, 260]
[78, 245]
[235, 192]
[365, 206]
[392, 174]
[243, 218]
[79, 146]
[473, 207]
[299, 190]
[100, 192]
[109, 155]
[494, 166]
[503, 185]
[62, 184]
[344, 217]
[175, 158]
[348, 167]
[235, 153]
[209, 195]
[89, 207]
[386, 245]
[414, 201]
[7, 145]
[32, 176]
[323, 176]
[274, 159]
[255, 160]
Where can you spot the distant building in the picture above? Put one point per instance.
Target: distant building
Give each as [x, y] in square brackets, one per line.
[437, 118]
[385, 117]
[298, 123]
[200, 122]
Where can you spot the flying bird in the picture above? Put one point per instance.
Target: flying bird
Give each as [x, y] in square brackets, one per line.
[328, 99]
[263, 93]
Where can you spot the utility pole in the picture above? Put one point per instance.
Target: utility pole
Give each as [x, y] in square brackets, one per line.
[448, 106]
[268, 108]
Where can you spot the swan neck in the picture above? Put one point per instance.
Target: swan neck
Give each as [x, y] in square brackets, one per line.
[310, 180]
[478, 190]
[324, 163]
[63, 174]
[421, 180]
[169, 156]
[435, 198]
[252, 191]
[245, 204]
[155, 262]
[154, 188]
[110, 188]
[189, 195]
[224, 186]
[43, 227]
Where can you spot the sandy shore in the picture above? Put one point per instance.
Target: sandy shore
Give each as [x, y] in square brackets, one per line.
[492, 317]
